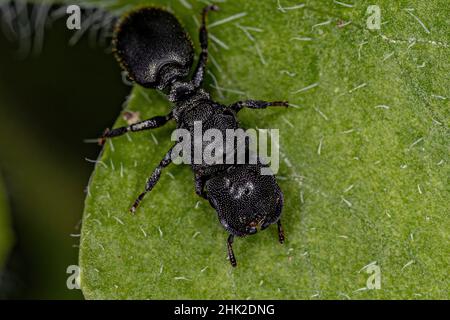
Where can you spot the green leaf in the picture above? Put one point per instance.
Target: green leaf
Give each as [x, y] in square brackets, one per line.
[364, 162]
[6, 235]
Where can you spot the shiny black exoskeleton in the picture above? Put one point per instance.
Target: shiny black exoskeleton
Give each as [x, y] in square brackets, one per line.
[154, 49]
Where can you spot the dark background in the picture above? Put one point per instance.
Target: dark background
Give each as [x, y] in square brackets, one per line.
[51, 99]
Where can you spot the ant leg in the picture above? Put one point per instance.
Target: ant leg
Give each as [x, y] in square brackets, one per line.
[257, 104]
[230, 250]
[201, 66]
[154, 178]
[199, 186]
[151, 123]
[280, 232]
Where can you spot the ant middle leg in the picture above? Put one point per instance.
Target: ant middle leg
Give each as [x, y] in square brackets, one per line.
[257, 104]
[153, 180]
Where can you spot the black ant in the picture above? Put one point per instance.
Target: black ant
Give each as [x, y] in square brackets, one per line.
[156, 52]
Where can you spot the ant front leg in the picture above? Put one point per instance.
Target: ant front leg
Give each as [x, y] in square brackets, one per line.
[230, 250]
[151, 123]
[257, 104]
[280, 232]
[200, 186]
[154, 178]
[201, 66]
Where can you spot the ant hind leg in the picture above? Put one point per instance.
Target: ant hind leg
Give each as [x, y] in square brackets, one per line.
[151, 123]
[201, 66]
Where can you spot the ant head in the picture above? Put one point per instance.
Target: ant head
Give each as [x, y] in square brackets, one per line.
[244, 199]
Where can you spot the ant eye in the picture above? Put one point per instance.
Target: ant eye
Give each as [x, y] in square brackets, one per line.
[247, 191]
[213, 202]
[251, 230]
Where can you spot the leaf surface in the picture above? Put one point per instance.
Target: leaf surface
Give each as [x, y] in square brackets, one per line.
[363, 163]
